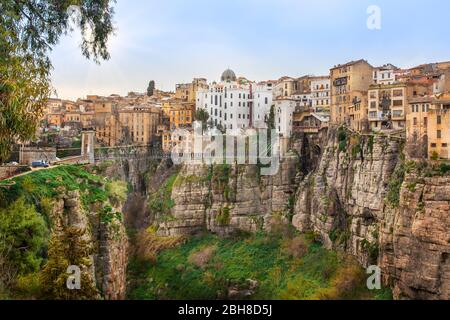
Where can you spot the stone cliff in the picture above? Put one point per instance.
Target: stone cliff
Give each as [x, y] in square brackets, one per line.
[357, 193]
[363, 199]
[108, 238]
[227, 198]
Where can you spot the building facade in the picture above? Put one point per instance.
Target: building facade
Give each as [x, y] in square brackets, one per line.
[321, 94]
[349, 85]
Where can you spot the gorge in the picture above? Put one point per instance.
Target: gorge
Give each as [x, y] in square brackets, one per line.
[356, 195]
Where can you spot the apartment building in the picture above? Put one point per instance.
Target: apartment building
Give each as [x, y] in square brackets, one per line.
[321, 94]
[385, 75]
[231, 102]
[284, 111]
[285, 87]
[138, 125]
[417, 126]
[349, 85]
[187, 91]
[181, 116]
[438, 130]
[388, 103]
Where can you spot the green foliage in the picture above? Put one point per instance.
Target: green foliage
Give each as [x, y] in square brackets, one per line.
[160, 203]
[444, 168]
[370, 144]
[435, 156]
[117, 191]
[266, 259]
[202, 116]
[342, 139]
[151, 88]
[221, 177]
[271, 120]
[372, 249]
[223, 217]
[28, 32]
[23, 235]
[68, 248]
[108, 215]
[53, 182]
[395, 184]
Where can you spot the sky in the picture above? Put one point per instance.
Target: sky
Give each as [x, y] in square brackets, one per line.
[173, 41]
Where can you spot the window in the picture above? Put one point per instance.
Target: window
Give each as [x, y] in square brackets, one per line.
[425, 121]
[439, 134]
[398, 103]
[444, 145]
[415, 121]
[439, 120]
[433, 145]
[266, 100]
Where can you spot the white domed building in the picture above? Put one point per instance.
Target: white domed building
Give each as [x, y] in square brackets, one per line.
[235, 103]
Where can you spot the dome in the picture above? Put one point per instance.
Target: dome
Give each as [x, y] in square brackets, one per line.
[228, 75]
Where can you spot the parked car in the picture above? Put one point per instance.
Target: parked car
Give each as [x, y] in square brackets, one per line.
[40, 164]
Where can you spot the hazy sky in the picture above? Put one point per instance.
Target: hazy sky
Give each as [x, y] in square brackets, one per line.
[172, 41]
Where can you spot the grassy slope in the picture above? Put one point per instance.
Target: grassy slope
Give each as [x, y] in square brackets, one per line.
[47, 184]
[261, 257]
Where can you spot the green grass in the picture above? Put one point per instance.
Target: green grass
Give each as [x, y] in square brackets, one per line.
[261, 257]
[56, 181]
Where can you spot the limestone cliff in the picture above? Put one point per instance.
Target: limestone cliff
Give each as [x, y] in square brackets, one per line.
[345, 201]
[223, 199]
[108, 238]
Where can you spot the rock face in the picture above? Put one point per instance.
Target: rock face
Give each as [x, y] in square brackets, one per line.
[223, 199]
[109, 241]
[345, 188]
[415, 240]
[344, 201]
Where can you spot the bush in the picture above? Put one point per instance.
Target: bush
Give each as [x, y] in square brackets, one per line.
[395, 184]
[117, 191]
[23, 235]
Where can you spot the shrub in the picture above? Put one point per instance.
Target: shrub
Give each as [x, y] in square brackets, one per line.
[149, 244]
[223, 217]
[117, 191]
[202, 257]
[395, 184]
[297, 247]
[23, 235]
[68, 247]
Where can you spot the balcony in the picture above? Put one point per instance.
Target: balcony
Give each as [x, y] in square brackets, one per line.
[378, 116]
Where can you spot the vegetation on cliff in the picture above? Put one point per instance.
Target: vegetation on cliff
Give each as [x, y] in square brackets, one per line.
[31, 264]
[264, 266]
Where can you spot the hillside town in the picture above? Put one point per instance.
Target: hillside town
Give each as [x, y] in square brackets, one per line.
[411, 103]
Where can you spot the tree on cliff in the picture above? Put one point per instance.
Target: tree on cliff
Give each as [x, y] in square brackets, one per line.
[22, 237]
[151, 88]
[29, 29]
[202, 116]
[68, 248]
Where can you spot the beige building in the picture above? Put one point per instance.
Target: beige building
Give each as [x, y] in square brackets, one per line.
[187, 91]
[417, 126]
[387, 105]
[285, 87]
[138, 125]
[439, 128]
[349, 85]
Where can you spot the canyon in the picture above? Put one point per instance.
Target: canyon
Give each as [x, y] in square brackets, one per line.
[358, 194]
